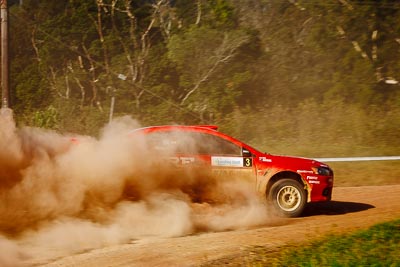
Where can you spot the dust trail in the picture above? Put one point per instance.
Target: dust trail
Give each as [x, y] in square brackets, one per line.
[10, 254]
[59, 197]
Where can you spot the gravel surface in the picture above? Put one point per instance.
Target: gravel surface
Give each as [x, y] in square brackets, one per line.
[352, 208]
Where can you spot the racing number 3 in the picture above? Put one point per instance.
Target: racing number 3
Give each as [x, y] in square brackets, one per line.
[247, 162]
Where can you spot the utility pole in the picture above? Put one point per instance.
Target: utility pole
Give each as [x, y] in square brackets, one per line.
[4, 54]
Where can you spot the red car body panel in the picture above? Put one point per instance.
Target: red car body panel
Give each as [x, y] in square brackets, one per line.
[266, 169]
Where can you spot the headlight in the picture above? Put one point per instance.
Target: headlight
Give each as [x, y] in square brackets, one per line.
[325, 171]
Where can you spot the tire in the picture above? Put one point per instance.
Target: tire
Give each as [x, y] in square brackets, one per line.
[288, 198]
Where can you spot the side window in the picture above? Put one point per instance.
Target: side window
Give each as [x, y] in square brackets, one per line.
[214, 145]
[171, 142]
[160, 141]
[192, 143]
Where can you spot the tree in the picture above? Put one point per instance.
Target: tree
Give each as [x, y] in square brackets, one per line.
[199, 53]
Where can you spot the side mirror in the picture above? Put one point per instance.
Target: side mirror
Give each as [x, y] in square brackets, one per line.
[246, 153]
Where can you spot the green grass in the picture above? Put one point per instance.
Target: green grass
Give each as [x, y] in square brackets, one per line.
[377, 246]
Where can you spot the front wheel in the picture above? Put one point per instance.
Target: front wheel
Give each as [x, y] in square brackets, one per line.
[288, 197]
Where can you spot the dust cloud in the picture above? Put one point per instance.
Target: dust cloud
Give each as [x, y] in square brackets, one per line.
[64, 194]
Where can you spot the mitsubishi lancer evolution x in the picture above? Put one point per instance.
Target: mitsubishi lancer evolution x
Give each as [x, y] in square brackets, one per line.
[287, 184]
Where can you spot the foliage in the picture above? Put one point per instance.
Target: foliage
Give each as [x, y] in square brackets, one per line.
[200, 54]
[321, 75]
[377, 246]
[46, 118]
[317, 128]
[366, 173]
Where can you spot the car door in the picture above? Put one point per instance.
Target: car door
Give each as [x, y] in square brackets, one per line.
[205, 150]
[227, 160]
[210, 168]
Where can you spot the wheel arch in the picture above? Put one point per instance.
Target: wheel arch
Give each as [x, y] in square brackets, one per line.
[286, 175]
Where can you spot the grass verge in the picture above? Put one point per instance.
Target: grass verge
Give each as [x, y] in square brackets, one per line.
[377, 246]
[365, 173]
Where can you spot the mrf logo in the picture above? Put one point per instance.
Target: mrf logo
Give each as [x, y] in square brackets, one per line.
[181, 160]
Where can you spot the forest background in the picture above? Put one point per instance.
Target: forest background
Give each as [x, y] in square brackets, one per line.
[311, 78]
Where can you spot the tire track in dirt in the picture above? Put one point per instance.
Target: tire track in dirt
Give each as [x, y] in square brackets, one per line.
[352, 208]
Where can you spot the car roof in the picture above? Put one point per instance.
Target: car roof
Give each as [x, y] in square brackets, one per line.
[177, 127]
[213, 129]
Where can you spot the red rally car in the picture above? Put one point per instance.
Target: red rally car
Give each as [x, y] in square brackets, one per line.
[287, 183]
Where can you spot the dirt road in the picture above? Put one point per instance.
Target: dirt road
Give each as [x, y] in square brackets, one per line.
[352, 208]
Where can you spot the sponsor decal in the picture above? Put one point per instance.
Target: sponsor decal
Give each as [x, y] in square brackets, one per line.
[186, 160]
[265, 159]
[313, 180]
[228, 161]
[181, 160]
[248, 162]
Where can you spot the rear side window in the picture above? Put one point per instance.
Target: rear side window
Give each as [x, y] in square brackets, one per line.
[180, 142]
[214, 145]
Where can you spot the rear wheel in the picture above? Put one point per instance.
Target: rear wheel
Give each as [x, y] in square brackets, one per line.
[288, 197]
